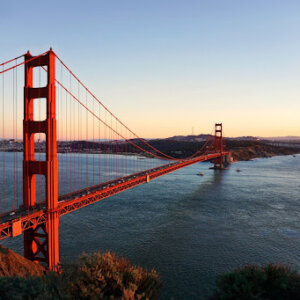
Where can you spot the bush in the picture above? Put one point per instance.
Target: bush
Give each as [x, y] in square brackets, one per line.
[107, 276]
[274, 281]
[41, 288]
[95, 276]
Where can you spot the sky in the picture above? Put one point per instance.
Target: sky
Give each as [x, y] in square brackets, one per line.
[173, 67]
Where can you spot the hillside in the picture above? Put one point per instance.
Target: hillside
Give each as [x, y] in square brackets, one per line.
[250, 150]
[13, 264]
[91, 276]
[241, 149]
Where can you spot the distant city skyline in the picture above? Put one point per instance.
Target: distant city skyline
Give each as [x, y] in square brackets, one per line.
[165, 67]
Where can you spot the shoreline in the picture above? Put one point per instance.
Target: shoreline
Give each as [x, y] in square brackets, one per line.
[261, 151]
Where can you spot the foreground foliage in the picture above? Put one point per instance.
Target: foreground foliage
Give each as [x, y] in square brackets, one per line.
[96, 276]
[274, 281]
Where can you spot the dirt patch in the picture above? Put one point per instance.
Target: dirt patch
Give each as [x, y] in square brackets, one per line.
[13, 264]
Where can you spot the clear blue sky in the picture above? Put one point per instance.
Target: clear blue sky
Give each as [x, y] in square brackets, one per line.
[164, 67]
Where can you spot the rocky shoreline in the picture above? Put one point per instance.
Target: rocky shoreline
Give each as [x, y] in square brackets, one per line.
[261, 151]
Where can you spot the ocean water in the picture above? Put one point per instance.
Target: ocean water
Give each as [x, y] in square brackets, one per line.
[191, 228]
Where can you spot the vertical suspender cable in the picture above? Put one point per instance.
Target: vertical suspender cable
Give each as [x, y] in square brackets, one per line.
[17, 174]
[99, 148]
[39, 142]
[3, 136]
[93, 119]
[79, 141]
[66, 141]
[116, 151]
[105, 153]
[111, 147]
[86, 132]
[70, 136]
[14, 149]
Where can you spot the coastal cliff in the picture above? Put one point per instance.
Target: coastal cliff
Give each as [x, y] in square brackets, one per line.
[260, 151]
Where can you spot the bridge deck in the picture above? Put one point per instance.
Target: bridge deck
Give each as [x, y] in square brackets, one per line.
[22, 219]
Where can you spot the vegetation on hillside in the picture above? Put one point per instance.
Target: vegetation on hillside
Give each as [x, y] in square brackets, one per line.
[94, 276]
[251, 282]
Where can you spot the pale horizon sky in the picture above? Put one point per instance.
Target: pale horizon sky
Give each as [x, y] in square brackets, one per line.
[172, 67]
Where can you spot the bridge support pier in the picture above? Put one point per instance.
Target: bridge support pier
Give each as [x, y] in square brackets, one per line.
[41, 243]
[218, 145]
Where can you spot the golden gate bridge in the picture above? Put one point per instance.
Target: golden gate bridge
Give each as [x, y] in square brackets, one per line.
[75, 152]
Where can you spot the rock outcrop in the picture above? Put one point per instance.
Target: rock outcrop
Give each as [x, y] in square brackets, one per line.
[13, 264]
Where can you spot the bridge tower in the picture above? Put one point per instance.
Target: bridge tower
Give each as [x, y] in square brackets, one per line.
[41, 243]
[218, 145]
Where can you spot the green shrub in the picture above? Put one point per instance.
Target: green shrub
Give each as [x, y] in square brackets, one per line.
[274, 281]
[27, 288]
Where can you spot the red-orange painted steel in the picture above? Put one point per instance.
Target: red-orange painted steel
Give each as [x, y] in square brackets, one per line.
[218, 144]
[41, 240]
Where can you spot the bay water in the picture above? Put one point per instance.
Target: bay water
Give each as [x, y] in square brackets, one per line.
[192, 228]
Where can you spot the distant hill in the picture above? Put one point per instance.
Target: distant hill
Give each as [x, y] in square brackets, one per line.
[190, 138]
[283, 138]
[204, 137]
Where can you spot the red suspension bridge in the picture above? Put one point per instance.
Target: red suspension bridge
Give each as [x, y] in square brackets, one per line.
[75, 152]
